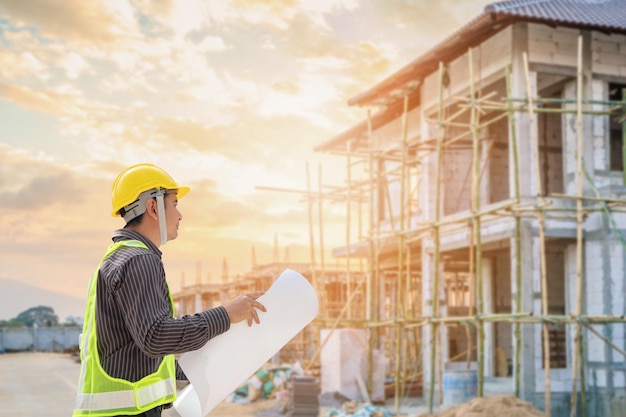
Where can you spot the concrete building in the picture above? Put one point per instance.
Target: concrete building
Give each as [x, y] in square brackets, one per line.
[494, 169]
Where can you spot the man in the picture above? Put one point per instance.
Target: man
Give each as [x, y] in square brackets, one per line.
[130, 334]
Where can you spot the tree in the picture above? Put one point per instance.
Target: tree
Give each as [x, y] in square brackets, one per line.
[41, 316]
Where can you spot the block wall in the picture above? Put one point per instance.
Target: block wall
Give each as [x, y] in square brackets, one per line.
[597, 163]
[608, 54]
[605, 257]
[559, 302]
[389, 135]
[489, 58]
[503, 300]
[499, 161]
[457, 168]
[547, 45]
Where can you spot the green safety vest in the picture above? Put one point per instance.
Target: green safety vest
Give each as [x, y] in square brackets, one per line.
[101, 395]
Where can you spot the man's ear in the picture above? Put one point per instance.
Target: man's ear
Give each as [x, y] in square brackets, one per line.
[151, 208]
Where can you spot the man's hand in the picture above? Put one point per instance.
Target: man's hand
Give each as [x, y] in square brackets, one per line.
[244, 308]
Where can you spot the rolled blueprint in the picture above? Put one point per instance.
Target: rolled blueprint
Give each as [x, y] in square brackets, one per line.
[228, 360]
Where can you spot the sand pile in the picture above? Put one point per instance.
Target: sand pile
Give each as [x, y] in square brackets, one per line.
[496, 406]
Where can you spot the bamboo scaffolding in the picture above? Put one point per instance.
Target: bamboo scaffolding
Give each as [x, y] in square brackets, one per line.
[311, 236]
[523, 317]
[518, 237]
[348, 224]
[400, 306]
[578, 358]
[542, 234]
[437, 210]
[371, 304]
[476, 225]
[623, 137]
[320, 209]
[392, 226]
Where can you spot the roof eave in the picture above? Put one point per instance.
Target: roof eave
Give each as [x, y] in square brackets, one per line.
[428, 62]
[485, 25]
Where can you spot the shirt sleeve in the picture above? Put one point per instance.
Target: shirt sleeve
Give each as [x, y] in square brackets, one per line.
[143, 297]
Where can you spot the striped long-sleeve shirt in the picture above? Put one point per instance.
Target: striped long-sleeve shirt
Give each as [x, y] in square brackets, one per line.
[134, 321]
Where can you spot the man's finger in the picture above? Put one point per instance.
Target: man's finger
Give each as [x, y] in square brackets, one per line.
[258, 305]
[255, 316]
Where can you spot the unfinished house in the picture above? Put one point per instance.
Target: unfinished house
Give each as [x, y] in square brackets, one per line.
[493, 228]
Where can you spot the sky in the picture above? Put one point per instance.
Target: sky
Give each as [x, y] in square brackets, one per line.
[226, 95]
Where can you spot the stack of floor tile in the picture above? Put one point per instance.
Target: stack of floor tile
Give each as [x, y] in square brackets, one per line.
[303, 397]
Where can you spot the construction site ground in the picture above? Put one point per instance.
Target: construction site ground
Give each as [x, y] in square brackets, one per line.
[35, 384]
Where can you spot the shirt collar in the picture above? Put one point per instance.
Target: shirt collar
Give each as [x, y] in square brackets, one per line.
[128, 234]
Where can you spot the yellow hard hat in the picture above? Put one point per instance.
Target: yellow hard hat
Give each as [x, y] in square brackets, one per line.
[137, 179]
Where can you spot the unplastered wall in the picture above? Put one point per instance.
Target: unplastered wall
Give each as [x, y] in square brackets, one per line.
[596, 156]
[551, 152]
[604, 268]
[560, 286]
[489, 59]
[457, 179]
[608, 54]
[389, 135]
[503, 300]
[548, 45]
[428, 185]
[498, 160]
[394, 193]
[559, 46]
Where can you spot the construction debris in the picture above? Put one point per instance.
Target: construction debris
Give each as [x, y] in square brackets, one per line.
[265, 384]
[303, 397]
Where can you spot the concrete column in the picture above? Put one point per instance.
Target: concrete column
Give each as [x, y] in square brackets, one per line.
[487, 276]
[485, 167]
[588, 144]
[526, 181]
[522, 120]
[590, 160]
[427, 290]
[528, 344]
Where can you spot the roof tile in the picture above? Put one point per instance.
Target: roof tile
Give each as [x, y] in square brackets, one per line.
[601, 13]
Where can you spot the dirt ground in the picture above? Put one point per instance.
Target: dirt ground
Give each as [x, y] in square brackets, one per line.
[501, 405]
[265, 408]
[496, 406]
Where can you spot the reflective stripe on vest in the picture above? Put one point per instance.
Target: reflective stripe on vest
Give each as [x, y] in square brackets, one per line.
[101, 395]
[125, 399]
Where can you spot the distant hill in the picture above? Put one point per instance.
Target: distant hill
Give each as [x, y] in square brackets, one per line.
[16, 297]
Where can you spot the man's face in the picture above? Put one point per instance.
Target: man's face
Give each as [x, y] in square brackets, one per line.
[172, 215]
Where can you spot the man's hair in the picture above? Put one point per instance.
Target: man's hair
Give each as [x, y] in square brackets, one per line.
[133, 222]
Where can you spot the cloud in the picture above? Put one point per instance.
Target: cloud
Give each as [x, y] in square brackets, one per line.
[91, 22]
[30, 99]
[34, 183]
[18, 64]
[63, 100]
[42, 191]
[74, 65]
